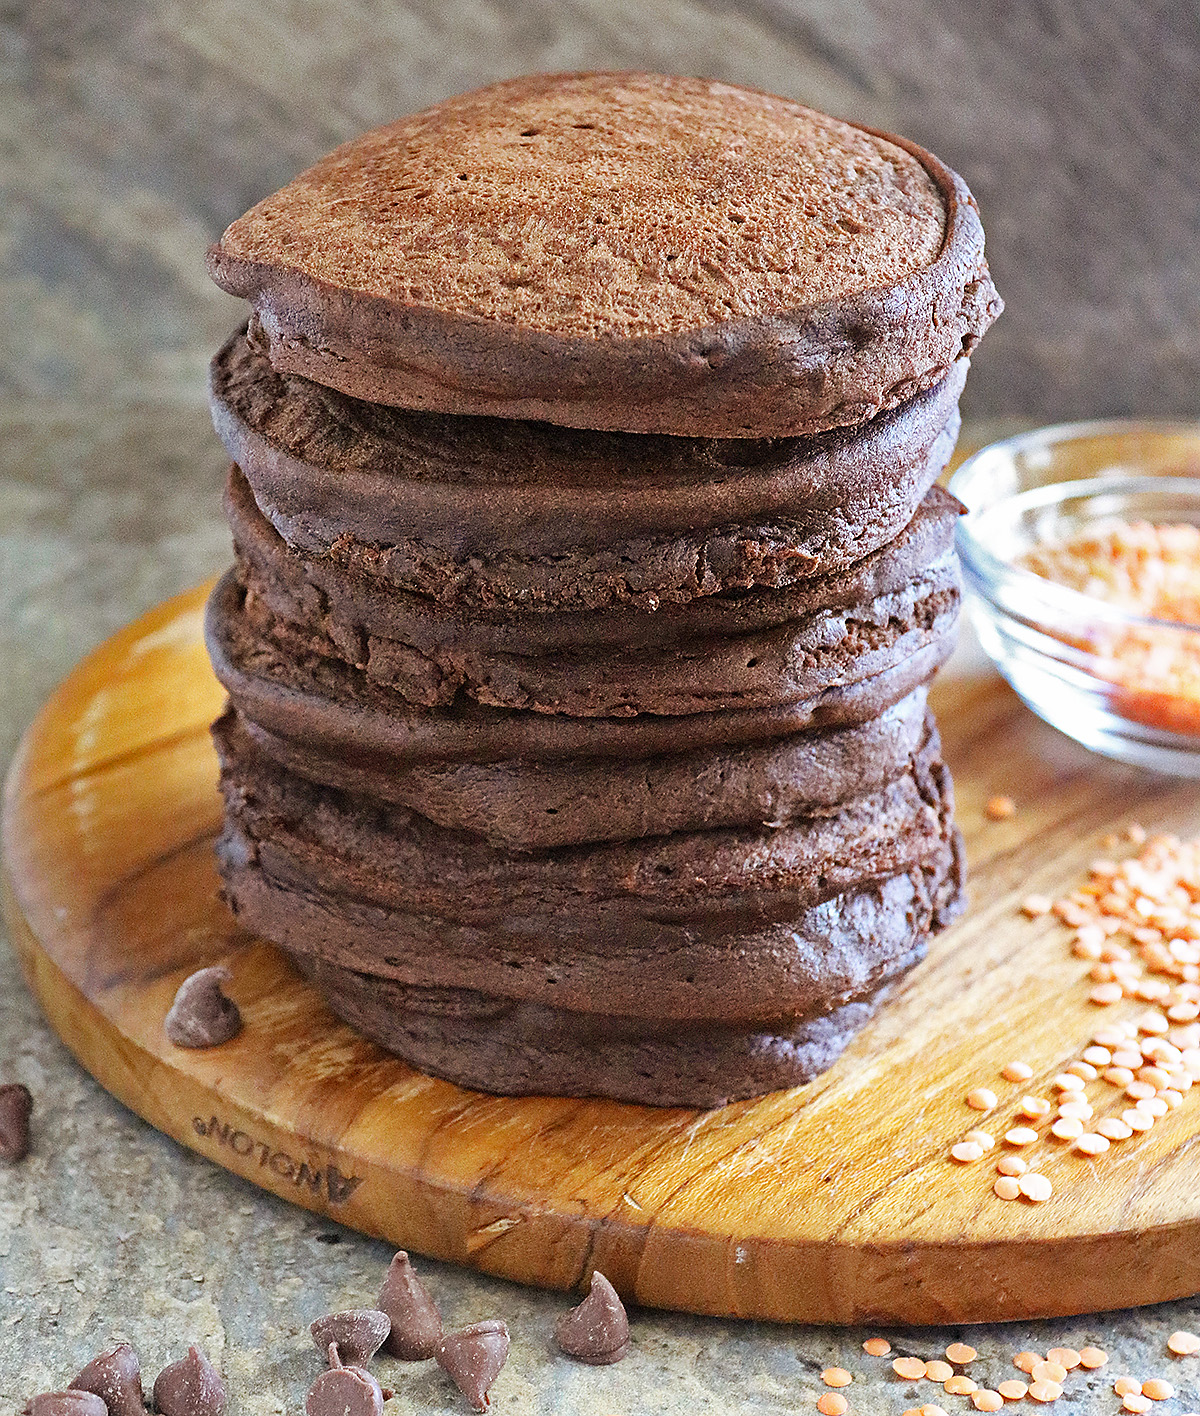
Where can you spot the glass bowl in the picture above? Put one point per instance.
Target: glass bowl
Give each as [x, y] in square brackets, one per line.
[1121, 684]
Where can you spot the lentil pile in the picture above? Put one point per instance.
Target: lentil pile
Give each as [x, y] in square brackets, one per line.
[1145, 570]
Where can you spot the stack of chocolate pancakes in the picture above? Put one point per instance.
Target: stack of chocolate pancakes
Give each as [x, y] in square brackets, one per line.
[590, 573]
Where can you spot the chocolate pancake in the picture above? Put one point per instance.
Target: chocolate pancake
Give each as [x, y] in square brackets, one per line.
[719, 925]
[524, 805]
[620, 251]
[761, 649]
[727, 990]
[326, 704]
[484, 511]
[523, 1049]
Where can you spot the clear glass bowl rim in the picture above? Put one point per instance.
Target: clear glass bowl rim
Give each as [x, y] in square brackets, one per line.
[990, 569]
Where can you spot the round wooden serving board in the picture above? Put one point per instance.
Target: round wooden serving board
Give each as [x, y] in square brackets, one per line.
[833, 1202]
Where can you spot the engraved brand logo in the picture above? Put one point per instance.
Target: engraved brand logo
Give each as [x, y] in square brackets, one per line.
[322, 1178]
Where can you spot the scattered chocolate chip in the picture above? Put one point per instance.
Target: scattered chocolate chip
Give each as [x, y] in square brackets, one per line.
[65, 1403]
[416, 1322]
[472, 1358]
[358, 1333]
[15, 1105]
[189, 1387]
[116, 1378]
[597, 1331]
[344, 1391]
[201, 1015]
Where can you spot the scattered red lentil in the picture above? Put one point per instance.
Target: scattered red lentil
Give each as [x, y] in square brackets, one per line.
[1066, 1357]
[1183, 1344]
[1045, 1390]
[912, 1369]
[958, 1385]
[1076, 1110]
[1020, 1136]
[1157, 1389]
[1106, 993]
[836, 1377]
[982, 1138]
[1011, 1165]
[961, 1353]
[1127, 1386]
[932, 1410]
[938, 1371]
[1153, 900]
[1013, 1390]
[986, 1400]
[832, 1403]
[966, 1151]
[877, 1347]
[1036, 905]
[1000, 808]
[1034, 1187]
[1006, 1188]
[1026, 1361]
[1048, 1371]
[1092, 1357]
[981, 1099]
[1136, 1403]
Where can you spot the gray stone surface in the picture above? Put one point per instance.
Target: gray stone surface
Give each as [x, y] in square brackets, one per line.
[109, 1230]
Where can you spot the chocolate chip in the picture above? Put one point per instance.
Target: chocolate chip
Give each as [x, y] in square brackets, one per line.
[472, 1358]
[189, 1387]
[597, 1331]
[65, 1403]
[201, 1015]
[416, 1322]
[15, 1105]
[344, 1391]
[116, 1378]
[357, 1333]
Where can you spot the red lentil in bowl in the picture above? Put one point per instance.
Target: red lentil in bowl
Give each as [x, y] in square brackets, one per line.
[1081, 549]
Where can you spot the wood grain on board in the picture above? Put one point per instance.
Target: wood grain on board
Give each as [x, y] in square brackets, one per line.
[833, 1202]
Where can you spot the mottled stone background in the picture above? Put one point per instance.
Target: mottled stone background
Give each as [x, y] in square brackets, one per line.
[130, 133]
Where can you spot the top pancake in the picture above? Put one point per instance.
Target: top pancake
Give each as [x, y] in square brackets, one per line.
[624, 252]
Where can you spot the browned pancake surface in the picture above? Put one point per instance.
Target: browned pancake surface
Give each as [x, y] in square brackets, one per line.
[605, 203]
[625, 251]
